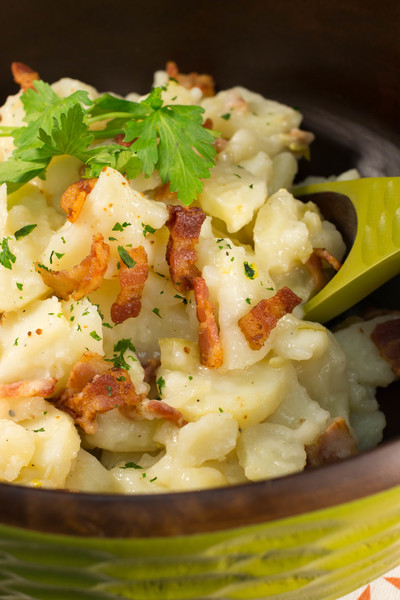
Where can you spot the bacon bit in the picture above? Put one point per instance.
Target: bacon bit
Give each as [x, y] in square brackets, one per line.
[24, 75]
[83, 371]
[208, 124]
[184, 225]
[298, 139]
[211, 353]
[191, 80]
[74, 197]
[119, 139]
[158, 409]
[258, 323]
[83, 278]
[336, 443]
[314, 266]
[150, 368]
[164, 194]
[386, 337]
[112, 389]
[27, 389]
[132, 280]
[328, 257]
[220, 144]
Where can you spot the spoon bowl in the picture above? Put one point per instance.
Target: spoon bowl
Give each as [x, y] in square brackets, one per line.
[367, 213]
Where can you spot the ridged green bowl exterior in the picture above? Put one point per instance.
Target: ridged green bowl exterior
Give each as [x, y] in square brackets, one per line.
[316, 556]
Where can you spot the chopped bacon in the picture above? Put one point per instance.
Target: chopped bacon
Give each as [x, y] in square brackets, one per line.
[316, 270]
[336, 443]
[24, 75]
[258, 323]
[208, 124]
[220, 144]
[83, 278]
[191, 80]
[74, 197]
[184, 225]
[132, 280]
[83, 371]
[119, 139]
[314, 266]
[157, 409]
[163, 193]
[386, 337]
[112, 389]
[27, 389]
[211, 353]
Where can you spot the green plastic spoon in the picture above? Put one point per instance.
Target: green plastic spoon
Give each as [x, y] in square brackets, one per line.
[367, 213]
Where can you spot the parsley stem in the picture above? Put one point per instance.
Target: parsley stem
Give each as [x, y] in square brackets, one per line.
[7, 131]
[107, 116]
[105, 133]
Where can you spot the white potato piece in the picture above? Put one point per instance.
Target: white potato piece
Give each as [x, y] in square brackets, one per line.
[119, 434]
[268, 450]
[88, 475]
[212, 437]
[16, 449]
[47, 338]
[233, 194]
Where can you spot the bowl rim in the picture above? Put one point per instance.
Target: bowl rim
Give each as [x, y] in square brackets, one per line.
[169, 514]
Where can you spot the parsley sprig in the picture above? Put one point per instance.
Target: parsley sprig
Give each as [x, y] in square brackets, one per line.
[167, 138]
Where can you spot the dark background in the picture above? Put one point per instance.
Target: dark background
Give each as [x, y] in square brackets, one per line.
[339, 61]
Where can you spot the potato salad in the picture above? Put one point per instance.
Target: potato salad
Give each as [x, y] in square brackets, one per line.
[153, 266]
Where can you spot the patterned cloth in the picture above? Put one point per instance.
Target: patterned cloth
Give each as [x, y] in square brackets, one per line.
[386, 587]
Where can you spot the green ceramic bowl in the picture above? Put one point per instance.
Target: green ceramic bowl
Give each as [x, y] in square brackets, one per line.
[314, 535]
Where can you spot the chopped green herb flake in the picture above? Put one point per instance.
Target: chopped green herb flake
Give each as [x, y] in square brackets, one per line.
[43, 267]
[16, 341]
[39, 430]
[181, 298]
[63, 240]
[6, 256]
[107, 325]
[154, 479]
[156, 311]
[119, 350]
[131, 465]
[226, 116]
[112, 239]
[249, 270]
[79, 328]
[147, 229]
[120, 227]
[190, 377]
[109, 390]
[237, 175]
[248, 300]
[19, 286]
[122, 378]
[95, 336]
[126, 258]
[160, 384]
[24, 231]
[251, 186]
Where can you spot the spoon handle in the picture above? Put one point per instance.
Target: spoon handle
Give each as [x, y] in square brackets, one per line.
[375, 255]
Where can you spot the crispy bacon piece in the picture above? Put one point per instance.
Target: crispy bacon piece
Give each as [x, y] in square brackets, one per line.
[211, 353]
[386, 337]
[112, 389]
[336, 443]
[24, 75]
[119, 139]
[83, 371]
[74, 197]
[83, 278]
[27, 389]
[204, 82]
[184, 225]
[158, 409]
[258, 323]
[315, 267]
[132, 280]
[297, 139]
